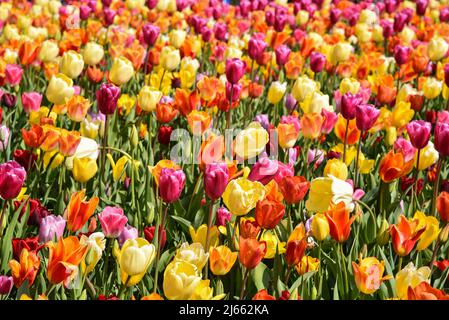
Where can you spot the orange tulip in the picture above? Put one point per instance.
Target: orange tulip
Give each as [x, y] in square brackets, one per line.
[77, 107]
[95, 74]
[199, 121]
[221, 260]
[79, 211]
[212, 150]
[273, 191]
[404, 235]
[393, 166]
[424, 291]
[368, 274]
[165, 112]
[209, 87]
[51, 140]
[340, 129]
[263, 295]
[186, 101]
[68, 142]
[269, 213]
[287, 134]
[294, 189]
[34, 137]
[249, 229]
[339, 222]
[26, 268]
[251, 252]
[65, 256]
[28, 52]
[311, 125]
[443, 206]
[295, 251]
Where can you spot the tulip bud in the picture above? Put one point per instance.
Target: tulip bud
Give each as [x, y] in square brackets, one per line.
[216, 176]
[107, 97]
[383, 235]
[444, 234]
[134, 136]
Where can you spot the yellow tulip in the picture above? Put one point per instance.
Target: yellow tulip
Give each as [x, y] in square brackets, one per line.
[302, 87]
[96, 244]
[368, 274]
[273, 244]
[402, 114]
[251, 141]
[157, 81]
[350, 85]
[365, 165]
[432, 230]
[121, 71]
[177, 37]
[363, 32]
[169, 58]
[93, 53]
[324, 190]
[148, 98]
[320, 227]
[187, 74]
[54, 158]
[221, 260]
[36, 116]
[89, 129]
[48, 51]
[241, 195]
[118, 168]
[427, 156]
[336, 168]
[307, 264]
[193, 253]
[72, 64]
[437, 48]
[59, 89]
[340, 52]
[351, 152]
[392, 135]
[180, 280]
[432, 88]
[134, 259]
[315, 103]
[410, 277]
[84, 169]
[199, 236]
[126, 102]
[203, 291]
[276, 91]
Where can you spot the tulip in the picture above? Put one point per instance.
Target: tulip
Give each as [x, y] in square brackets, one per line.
[249, 229]
[256, 47]
[221, 260]
[276, 91]
[311, 124]
[251, 141]
[150, 34]
[432, 88]
[148, 98]
[121, 71]
[134, 258]
[424, 291]
[340, 52]
[200, 235]
[149, 234]
[349, 103]
[441, 138]
[12, 177]
[241, 195]
[287, 135]
[180, 280]
[419, 132]
[4, 137]
[437, 48]
[193, 253]
[263, 170]
[171, 183]
[79, 211]
[269, 213]
[431, 231]
[177, 37]
[295, 251]
[282, 54]
[72, 64]
[302, 87]
[170, 58]
[393, 166]
[13, 74]
[446, 74]
[222, 217]
[410, 277]
[263, 295]
[25, 269]
[317, 61]
[51, 228]
[216, 178]
[443, 206]
[93, 53]
[402, 54]
[48, 51]
[368, 274]
[251, 252]
[107, 97]
[128, 232]
[95, 244]
[31, 101]
[112, 220]
[6, 284]
[59, 89]
[339, 222]
[109, 16]
[366, 116]
[294, 188]
[320, 227]
[235, 70]
[404, 235]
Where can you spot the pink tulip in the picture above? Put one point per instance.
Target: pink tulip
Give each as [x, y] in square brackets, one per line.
[12, 177]
[263, 170]
[317, 61]
[419, 132]
[442, 138]
[366, 116]
[13, 74]
[112, 220]
[349, 102]
[107, 97]
[402, 54]
[150, 34]
[315, 155]
[6, 284]
[4, 137]
[31, 101]
[406, 148]
[235, 70]
[284, 170]
[282, 53]
[51, 228]
[216, 176]
[223, 216]
[443, 116]
[171, 183]
[256, 47]
[220, 31]
[330, 119]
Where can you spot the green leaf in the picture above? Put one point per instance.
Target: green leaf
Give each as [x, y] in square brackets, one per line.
[261, 276]
[185, 224]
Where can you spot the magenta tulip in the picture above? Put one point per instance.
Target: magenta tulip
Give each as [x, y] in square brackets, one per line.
[264, 170]
[51, 228]
[31, 101]
[256, 47]
[330, 119]
[402, 54]
[441, 138]
[317, 61]
[12, 177]
[6, 284]
[150, 34]
[171, 183]
[107, 97]
[406, 148]
[282, 53]
[366, 116]
[216, 176]
[112, 220]
[419, 133]
[235, 70]
[349, 102]
[223, 216]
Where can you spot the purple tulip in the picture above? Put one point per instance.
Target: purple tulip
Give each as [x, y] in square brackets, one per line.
[400, 19]
[223, 216]
[419, 132]
[335, 15]
[441, 138]
[263, 170]
[51, 227]
[216, 176]
[402, 54]
[256, 47]
[12, 177]
[280, 20]
[235, 70]
[421, 7]
[387, 28]
[171, 183]
[85, 12]
[128, 232]
[269, 18]
[282, 53]
[317, 61]
[221, 31]
[107, 97]
[150, 34]
[263, 120]
[109, 16]
[112, 220]
[290, 102]
[366, 116]
[6, 284]
[9, 100]
[444, 14]
[349, 102]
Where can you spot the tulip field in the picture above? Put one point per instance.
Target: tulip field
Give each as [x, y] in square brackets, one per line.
[216, 150]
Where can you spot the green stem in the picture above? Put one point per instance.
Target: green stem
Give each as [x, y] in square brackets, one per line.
[359, 148]
[158, 255]
[346, 141]
[436, 186]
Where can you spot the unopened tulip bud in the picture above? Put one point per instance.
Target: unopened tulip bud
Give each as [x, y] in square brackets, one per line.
[444, 234]
[383, 234]
[134, 136]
